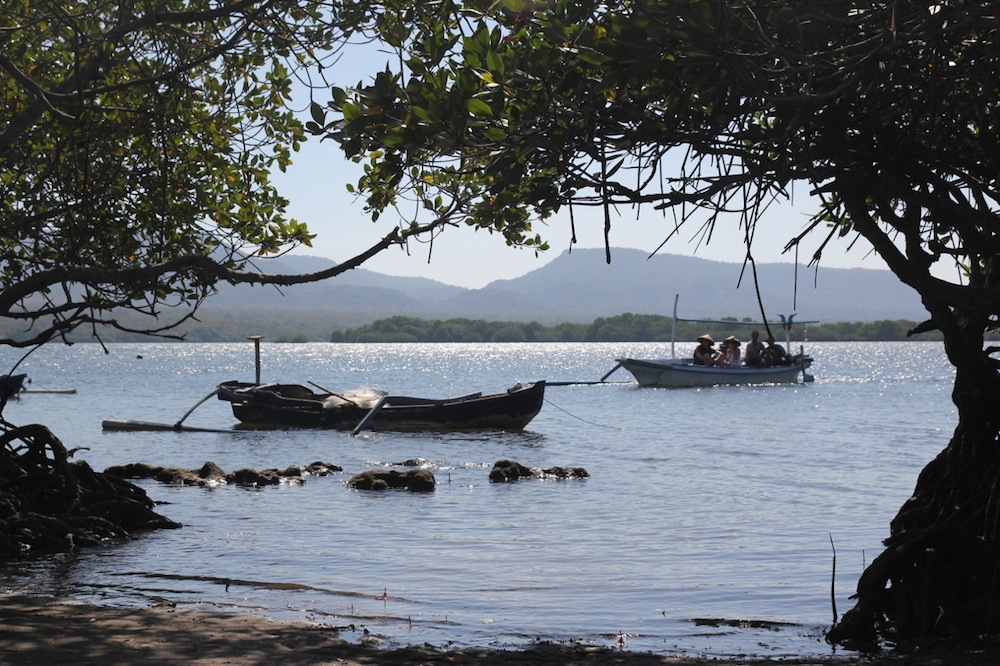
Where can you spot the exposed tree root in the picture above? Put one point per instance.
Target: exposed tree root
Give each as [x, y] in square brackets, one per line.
[49, 504]
[937, 580]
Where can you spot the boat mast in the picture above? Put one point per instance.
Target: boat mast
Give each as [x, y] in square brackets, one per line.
[673, 328]
[256, 355]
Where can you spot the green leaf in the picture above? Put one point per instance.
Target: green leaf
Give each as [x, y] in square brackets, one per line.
[478, 107]
[392, 139]
[495, 62]
[351, 112]
[422, 113]
[317, 113]
[339, 95]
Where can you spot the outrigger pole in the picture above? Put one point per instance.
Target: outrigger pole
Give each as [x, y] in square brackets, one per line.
[673, 328]
[114, 424]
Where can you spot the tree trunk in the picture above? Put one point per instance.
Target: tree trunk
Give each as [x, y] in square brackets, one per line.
[938, 576]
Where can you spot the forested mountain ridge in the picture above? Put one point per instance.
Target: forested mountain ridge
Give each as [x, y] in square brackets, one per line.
[578, 286]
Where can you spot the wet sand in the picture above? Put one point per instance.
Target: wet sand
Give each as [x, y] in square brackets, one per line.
[36, 630]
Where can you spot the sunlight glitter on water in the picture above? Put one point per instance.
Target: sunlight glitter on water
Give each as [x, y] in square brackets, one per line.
[716, 503]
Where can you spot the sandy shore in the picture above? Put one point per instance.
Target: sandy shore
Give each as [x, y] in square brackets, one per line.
[40, 631]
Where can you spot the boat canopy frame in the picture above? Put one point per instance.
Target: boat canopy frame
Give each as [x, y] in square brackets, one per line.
[785, 324]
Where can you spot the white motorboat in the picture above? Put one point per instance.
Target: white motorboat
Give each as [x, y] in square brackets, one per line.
[684, 372]
[681, 373]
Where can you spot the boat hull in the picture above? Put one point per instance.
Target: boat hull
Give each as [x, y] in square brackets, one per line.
[681, 374]
[11, 385]
[295, 406]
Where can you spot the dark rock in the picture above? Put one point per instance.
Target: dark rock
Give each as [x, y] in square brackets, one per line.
[211, 471]
[133, 471]
[211, 474]
[506, 471]
[415, 480]
[566, 472]
[252, 477]
[179, 477]
[421, 480]
[322, 469]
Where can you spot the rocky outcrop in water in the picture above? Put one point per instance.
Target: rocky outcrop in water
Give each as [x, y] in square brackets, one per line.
[211, 474]
[415, 480]
[506, 471]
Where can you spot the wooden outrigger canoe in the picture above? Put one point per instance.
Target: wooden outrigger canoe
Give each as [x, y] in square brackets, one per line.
[297, 406]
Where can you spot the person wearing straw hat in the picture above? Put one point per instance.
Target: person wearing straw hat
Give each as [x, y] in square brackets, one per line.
[729, 356]
[704, 353]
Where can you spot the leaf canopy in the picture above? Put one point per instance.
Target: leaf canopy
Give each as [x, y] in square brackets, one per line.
[514, 111]
[136, 145]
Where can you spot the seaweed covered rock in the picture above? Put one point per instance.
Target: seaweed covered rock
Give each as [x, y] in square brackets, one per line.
[506, 471]
[211, 474]
[49, 504]
[416, 480]
[208, 475]
[263, 477]
[561, 472]
[509, 470]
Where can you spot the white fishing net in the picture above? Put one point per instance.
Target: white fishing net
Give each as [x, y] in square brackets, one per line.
[362, 397]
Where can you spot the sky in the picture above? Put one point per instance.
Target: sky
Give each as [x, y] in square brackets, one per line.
[316, 185]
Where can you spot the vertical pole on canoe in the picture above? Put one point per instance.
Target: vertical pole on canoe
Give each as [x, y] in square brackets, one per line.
[256, 356]
[673, 328]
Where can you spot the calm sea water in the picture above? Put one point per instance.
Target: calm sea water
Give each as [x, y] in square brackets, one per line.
[716, 504]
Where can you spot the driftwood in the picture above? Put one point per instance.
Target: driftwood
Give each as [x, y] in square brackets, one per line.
[49, 504]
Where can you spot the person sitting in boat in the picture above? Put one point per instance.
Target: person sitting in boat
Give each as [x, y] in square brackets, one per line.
[754, 356]
[729, 356]
[704, 353]
[775, 354]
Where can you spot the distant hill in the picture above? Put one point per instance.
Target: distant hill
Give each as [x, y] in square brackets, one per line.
[577, 286]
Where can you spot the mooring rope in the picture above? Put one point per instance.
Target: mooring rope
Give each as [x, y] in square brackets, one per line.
[568, 413]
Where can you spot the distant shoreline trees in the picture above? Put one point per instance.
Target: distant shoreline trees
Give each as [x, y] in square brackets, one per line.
[620, 328]
[292, 327]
